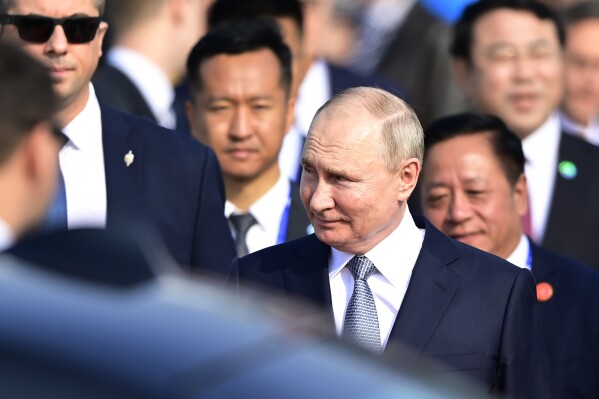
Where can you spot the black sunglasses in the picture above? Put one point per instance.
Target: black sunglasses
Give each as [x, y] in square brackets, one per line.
[38, 29]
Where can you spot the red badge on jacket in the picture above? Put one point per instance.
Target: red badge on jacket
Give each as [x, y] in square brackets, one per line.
[544, 292]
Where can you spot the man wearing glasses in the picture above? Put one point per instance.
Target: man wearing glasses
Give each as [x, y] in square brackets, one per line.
[117, 167]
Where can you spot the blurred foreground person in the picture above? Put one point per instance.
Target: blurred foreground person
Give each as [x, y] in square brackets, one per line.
[388, 278]
[508, 57]
[580, 106]
[474, 190]
[154, 334]
[29, 143]
[240, 75]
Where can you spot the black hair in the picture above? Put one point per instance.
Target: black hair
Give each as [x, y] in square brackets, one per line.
[237, 37]
[224, 10]
[461, 45]
[580, 12]
[505, 144]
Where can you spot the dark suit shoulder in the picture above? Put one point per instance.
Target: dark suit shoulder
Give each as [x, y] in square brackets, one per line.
[115, 88]
[160, 139]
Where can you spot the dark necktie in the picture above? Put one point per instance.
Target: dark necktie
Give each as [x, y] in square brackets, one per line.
[241, 224]
[56, 218]
[361, 323]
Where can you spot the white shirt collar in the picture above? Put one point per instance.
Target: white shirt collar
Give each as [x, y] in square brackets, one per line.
[313, 92]
[541, 149]
[7, 237]
[521, 255]
[267, 210]
[85, 130]
[151, 81]
[406, 240]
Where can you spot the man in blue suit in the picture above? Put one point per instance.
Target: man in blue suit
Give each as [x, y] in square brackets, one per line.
[118, 168]
[388, 278]
[474, 190]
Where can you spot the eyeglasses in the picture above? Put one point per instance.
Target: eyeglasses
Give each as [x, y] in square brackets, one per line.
[38, 29]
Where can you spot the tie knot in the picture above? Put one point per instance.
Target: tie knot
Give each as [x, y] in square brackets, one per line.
[361, 267]
[242, 222]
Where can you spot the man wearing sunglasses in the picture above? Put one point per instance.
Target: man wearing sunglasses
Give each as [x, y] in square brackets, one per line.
[117, 167]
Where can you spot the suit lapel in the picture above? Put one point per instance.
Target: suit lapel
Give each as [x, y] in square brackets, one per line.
[430, 291]
[123, 183]
[542, 266]
[308, 277]
[298, 218]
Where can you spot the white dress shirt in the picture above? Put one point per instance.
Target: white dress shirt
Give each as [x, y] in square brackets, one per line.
[82, 166]
[153, 84]
[313, 92]
[394, 259]
[541, 151]
[589, 132]
[521, 256]
[267, 211]
[7, 237]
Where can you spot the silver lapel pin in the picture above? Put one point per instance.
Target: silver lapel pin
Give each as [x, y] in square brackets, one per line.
[129, 158]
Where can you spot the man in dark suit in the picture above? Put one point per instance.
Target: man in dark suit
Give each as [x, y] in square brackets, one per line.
[314, 80]
[143, 66]
[116, 166]
[474, 190]
[391, 278]
[509, 61]
[241, 106]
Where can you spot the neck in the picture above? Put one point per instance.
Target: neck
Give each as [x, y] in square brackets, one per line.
[70, 108]
[243, 193]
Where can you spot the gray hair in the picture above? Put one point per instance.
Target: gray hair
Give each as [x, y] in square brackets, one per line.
[7, 5]
[401, 133]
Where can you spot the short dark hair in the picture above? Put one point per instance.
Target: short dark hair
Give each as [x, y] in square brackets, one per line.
[505, 144]
[237, 37]
[580, 12]
[224, 10]
[27, 97]
[463, 29]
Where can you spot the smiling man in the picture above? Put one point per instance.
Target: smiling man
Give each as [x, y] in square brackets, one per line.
[387, 278]
[118, 168]
[508, 57]
[474, 190]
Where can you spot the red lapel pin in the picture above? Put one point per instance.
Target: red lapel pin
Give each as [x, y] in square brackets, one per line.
[544, 292]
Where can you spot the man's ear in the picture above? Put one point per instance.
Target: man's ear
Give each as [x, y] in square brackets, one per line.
[520, 194]
[290, 113]
[408, 175]
[461, 71]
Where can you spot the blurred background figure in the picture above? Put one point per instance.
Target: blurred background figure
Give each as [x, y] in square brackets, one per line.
[241, 106]
[407, 44]
[151, 41]
[29, 143]
[474, 190]
[580, 106]
[314, 79]
[508, 57]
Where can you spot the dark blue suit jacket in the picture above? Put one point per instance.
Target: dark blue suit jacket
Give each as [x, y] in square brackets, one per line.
[174, 185]
[570, 321]
[473, 311]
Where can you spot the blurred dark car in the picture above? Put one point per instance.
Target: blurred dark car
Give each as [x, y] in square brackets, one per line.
[163, 334]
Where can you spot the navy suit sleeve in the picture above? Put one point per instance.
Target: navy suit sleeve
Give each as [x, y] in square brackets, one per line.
[213, 250]
[523, 365]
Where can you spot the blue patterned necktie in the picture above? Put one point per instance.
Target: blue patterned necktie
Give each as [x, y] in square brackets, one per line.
[241, 224]
[56, 218]
[361, 323]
